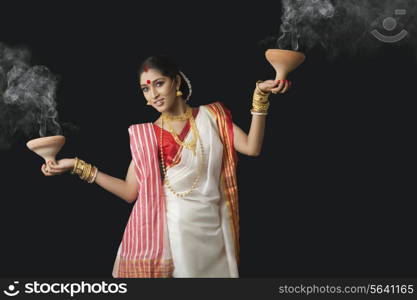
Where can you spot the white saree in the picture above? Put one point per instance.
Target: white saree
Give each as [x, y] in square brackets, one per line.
[199, 225]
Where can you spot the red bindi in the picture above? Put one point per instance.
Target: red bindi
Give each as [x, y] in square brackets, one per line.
[148, 81]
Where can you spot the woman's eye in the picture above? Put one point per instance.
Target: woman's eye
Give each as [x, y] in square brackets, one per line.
[144, 89]
[159, 83]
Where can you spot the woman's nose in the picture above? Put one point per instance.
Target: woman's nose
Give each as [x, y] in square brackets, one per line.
[154, 92]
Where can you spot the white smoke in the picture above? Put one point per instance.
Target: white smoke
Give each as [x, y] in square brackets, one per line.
[299, 18]
[340, 25]
[27, 97]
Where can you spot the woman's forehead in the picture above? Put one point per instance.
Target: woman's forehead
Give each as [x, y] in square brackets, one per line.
[151, 75]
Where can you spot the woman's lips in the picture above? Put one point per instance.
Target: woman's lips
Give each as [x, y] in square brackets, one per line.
[159, 102]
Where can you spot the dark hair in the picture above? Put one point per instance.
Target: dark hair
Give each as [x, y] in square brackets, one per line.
[167, 66]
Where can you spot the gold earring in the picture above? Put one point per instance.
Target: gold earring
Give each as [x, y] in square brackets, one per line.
[179, 93]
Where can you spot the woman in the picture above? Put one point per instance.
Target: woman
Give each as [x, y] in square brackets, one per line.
[185, 220]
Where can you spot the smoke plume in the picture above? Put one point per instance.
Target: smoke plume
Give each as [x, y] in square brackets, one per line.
[340, 26]
[27, 97]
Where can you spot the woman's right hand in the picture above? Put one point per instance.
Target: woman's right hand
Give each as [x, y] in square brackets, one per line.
[275, 87]
[61, 166]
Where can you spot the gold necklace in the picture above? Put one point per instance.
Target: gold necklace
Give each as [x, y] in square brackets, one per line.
[185, 116]
[190, 145]
[166, 181]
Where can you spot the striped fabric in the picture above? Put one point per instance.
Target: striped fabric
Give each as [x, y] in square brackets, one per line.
[144, 251]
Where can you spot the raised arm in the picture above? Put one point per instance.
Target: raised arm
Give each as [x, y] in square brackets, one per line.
[125, 189]
[251, 143]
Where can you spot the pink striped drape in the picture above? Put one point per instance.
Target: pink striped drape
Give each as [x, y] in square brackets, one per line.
[144, 251]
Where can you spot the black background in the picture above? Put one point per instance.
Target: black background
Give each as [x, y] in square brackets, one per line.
[331, 195]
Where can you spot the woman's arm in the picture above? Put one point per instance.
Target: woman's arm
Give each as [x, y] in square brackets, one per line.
[125, 189]
[251, 144]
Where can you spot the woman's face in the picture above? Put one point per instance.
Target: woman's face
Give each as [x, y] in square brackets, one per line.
[159, 90]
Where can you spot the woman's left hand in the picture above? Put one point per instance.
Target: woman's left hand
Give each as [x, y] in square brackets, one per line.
[275, 87]
[59, 167]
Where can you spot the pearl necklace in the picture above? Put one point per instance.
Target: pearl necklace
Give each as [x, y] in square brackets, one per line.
[197, 179]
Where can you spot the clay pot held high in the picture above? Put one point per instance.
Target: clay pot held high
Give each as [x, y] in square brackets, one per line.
[284, 61]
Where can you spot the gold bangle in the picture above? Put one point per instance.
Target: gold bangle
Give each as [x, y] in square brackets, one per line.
[257, 106]
[261, 109]
[80, 167]
[91, 174]
[90, 169]
[86, 172]
[94, 176]
[258, 103]
[258, 113]
[75, 165]
[257, 93]
[260, 99]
